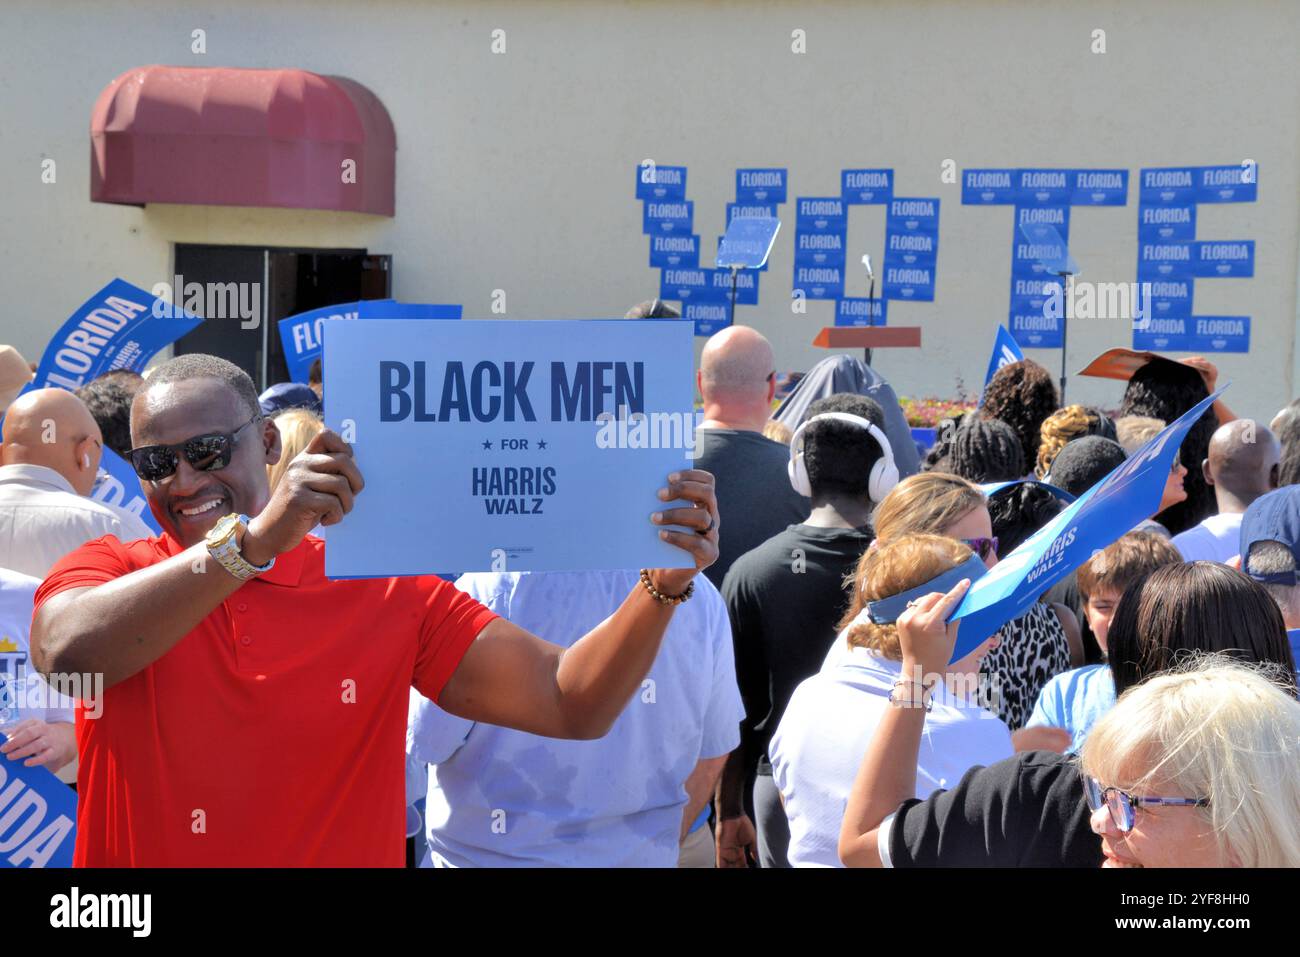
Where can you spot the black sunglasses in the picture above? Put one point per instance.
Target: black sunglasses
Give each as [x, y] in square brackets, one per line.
[982, 546]
[206, 453]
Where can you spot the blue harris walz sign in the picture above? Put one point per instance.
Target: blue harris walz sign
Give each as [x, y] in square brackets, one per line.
[1095, 520]
[119, 327]
[556, 436]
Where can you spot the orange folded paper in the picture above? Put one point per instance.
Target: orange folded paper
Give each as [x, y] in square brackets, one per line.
[1121, 363]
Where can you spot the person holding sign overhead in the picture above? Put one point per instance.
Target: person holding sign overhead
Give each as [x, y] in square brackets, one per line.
[254, 711]
[1042, 642]
[1031, 810]
[833, 714]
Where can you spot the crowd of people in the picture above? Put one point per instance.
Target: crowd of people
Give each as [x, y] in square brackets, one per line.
[771, 711]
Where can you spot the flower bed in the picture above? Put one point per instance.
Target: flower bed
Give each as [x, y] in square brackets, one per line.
[928, 412]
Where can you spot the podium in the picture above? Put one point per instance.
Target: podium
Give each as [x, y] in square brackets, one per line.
[868, 338]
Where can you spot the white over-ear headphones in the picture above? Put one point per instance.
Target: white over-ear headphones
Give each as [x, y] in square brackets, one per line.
[884, 473]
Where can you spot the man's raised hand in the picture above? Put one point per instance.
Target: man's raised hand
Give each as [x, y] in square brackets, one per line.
[318, 488]
[925, 636]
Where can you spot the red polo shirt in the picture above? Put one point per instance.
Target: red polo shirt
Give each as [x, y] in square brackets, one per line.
[273, 733]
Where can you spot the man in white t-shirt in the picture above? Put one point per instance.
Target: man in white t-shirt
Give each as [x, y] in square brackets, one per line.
[633, 798]
[1242, 465]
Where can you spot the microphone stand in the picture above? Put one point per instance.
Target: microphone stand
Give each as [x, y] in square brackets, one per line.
[1067, 290]
[734, 271]
[871, 295]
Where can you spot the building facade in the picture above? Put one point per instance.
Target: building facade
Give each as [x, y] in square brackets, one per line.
[520, 128]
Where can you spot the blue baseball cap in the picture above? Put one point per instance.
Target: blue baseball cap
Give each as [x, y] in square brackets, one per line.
[288, 395]
[1274, 517]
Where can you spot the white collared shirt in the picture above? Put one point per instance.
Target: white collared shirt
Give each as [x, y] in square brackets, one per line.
[42, 518]
[824, 734]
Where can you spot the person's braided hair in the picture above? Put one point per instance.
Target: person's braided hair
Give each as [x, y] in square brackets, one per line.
[986, 450]
[1021, 394]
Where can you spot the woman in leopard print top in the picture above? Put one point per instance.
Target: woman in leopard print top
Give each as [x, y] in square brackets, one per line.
[1035, 647]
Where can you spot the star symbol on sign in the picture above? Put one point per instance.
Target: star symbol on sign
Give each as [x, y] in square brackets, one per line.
[487, 443]
[541, 443]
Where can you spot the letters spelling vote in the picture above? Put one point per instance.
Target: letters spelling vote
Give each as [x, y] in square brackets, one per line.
[491, 392]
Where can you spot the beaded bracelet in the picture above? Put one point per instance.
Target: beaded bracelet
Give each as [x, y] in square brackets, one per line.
[659, 596]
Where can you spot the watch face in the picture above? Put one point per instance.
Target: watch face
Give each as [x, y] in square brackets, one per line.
[224, 526]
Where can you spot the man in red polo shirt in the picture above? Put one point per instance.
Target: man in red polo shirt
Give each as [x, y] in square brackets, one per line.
[255, 712]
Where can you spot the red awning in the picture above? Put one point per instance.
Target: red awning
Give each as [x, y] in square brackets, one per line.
[228, 137]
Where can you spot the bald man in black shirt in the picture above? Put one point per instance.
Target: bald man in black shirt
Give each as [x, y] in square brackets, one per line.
[736, 382]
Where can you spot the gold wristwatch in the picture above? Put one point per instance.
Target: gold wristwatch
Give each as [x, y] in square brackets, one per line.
[223, 545]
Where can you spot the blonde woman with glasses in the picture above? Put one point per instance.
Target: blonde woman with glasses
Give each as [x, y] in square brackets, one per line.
[1198, 768]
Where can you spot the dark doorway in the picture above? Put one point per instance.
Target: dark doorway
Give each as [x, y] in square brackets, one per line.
[286, 282]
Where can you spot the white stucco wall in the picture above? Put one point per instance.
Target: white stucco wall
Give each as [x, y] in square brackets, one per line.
[515, 171]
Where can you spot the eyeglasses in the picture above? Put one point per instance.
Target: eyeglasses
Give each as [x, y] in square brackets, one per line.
[206, 453]
[982, 547]
[1123, 807]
